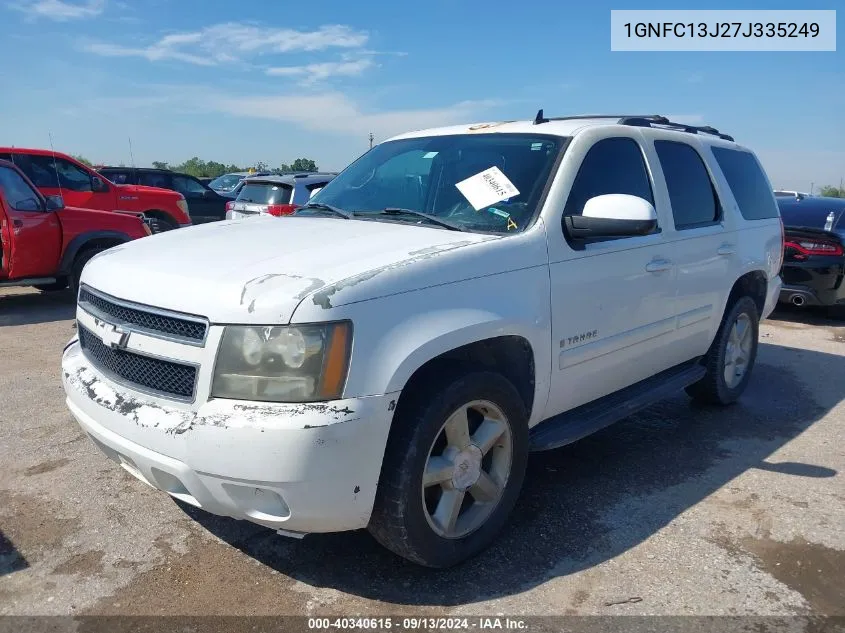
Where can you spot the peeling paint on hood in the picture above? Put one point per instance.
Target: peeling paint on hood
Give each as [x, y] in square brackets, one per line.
[258, 270]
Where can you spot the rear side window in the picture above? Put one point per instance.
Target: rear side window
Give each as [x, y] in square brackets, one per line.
[691, 191]
[265, 193]
[747, 182]
[154, 179]
[612, 165]
[117, 177]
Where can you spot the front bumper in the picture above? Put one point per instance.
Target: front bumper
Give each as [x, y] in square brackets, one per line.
[298, 468]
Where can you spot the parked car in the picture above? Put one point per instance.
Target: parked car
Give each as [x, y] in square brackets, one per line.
[204, 204]
[228, 182]
[814, 255]
[46, 244]
[387, 356]
[274, 195]
[57, 174]
[783, 193]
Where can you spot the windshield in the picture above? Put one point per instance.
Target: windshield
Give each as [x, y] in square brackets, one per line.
[480, 182]
[264, 193]
[229, 181]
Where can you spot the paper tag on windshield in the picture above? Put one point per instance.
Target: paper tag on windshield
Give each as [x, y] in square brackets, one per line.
[487, 187]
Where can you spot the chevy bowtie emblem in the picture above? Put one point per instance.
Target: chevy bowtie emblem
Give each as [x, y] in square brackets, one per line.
[113, 335]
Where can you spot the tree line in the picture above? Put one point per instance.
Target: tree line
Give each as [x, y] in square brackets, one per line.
[829, 191]
[200, 168]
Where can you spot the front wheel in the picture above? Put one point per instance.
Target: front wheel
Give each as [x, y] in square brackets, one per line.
[78, 264]
[453, 469]
[731, 356]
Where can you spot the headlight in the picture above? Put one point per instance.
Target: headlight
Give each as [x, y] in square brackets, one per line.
[303, 363]
[183, 205]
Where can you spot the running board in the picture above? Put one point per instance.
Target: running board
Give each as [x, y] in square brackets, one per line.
[573, 425]
[40, 281]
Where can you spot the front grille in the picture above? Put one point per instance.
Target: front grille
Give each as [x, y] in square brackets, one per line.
[151, 321]
[153, 374]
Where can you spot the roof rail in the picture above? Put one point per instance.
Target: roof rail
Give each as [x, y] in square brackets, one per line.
[662, 122]
[638, 120]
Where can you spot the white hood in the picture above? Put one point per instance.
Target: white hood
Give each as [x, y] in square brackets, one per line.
[259, 269]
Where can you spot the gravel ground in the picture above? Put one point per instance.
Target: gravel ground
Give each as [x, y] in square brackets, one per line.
[693, 511]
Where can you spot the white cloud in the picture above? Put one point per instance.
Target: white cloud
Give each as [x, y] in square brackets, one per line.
[231, 42]
[312, 73]
[60, 10]
[336, 113]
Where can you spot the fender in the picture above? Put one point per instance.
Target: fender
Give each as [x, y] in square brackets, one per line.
[79, 242]
[394, 336]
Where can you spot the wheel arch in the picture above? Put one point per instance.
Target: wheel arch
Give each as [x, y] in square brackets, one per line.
[493, 345]
[86, 241]
[754, 284]
[165, 216]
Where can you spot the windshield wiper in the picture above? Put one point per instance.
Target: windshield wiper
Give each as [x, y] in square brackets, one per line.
[425, 216]
[327, 207]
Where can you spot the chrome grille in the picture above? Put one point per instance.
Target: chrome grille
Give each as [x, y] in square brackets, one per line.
[146, 373]
[154, 322]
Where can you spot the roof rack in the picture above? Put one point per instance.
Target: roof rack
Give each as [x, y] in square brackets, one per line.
[638, 120]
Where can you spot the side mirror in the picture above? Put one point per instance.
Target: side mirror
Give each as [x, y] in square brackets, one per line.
[613, 215]
[98, 185]
[54, 203]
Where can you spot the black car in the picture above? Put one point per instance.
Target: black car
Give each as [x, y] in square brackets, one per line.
[813, 270]
[204, 204]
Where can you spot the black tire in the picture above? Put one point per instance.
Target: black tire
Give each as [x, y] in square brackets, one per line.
[159, 224]
[58, 286]
[78, 264]
[713, 388]
[399, 520]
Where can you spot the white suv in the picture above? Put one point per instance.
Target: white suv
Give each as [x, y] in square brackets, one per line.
[387, 357]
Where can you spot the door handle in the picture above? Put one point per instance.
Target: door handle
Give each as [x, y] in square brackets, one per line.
[725, 249]
[17, 223]
[658, 265]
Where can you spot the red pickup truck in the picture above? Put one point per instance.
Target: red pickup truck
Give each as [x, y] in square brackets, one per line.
[46, 244]
[57, 174]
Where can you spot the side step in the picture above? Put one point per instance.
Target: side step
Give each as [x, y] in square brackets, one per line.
[573, 425]
[40, 281]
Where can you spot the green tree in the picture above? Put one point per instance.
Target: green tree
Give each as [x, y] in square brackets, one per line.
[83, 160]
[160, 164]
[829, 191]
[304, 164]
[261, 166]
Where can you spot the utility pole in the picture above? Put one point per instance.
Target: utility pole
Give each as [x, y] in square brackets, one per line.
[371, 140]
[811, 188]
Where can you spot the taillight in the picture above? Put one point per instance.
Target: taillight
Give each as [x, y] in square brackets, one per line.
[230, 205]
[804, 248]
[282, 209]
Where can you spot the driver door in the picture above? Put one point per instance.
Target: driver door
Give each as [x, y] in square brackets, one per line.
[32, 236]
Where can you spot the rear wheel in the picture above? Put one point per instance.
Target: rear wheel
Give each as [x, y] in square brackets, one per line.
[731, 356]
[453, 469]
[159, 223]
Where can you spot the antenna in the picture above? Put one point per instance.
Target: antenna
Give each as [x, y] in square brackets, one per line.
[131, 156]
[56, 166]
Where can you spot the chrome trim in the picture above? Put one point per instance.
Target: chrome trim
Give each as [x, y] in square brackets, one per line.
[140, 388]
[131, 327]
